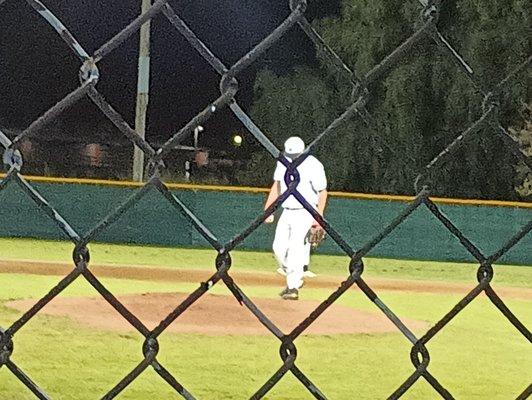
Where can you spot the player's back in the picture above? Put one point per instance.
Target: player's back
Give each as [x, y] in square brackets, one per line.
[312, 180]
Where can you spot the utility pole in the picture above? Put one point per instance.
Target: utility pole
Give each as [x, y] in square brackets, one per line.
[143, 88]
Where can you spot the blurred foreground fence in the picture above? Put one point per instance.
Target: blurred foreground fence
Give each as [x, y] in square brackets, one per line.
[355, 250]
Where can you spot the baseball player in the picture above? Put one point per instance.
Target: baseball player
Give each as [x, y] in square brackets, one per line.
[307, 273]
[290, 246]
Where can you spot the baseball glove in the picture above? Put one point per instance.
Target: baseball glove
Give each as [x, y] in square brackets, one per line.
[316, 235]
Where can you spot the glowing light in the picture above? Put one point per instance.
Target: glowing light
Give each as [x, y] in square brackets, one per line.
[237, 140]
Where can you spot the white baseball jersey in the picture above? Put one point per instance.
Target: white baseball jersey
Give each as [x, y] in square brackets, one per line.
[313, 181]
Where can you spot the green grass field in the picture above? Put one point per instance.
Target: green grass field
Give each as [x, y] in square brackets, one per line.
[479, 355]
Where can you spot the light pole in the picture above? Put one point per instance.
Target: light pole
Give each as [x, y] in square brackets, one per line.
[143, 88]
[197, 131]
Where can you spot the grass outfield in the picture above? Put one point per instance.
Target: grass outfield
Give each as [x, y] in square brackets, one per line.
[479, 355]
[45, 250]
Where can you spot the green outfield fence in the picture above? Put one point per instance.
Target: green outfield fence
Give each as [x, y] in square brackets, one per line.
[229, 210]
[156, 212]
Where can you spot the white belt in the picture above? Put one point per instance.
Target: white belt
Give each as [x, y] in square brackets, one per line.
[294, 209]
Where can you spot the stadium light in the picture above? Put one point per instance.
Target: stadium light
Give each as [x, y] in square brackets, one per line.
[237, 140]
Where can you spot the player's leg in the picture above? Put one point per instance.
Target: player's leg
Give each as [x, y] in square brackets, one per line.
[307, 273]
[280, 242]
[299, 223]
[306, 258]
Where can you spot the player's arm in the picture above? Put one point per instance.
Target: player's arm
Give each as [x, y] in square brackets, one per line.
[272, 196]
[322, 201]
[320, 185]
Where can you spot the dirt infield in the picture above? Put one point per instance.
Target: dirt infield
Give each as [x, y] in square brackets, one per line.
[218, 314]
[248, 278]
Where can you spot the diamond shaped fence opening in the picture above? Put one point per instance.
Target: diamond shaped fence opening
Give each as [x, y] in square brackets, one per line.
[89, 76]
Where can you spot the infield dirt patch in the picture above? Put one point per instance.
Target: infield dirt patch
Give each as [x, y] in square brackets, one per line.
[219, 314]
[216, 315]
[148, 273]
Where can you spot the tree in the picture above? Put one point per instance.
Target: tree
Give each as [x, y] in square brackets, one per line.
[524, 136]
[296, 105]
[417, 109]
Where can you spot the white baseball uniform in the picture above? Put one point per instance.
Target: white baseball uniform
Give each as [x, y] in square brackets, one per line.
[289, 246]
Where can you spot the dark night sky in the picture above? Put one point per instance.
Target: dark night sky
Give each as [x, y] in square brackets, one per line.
[37, 69]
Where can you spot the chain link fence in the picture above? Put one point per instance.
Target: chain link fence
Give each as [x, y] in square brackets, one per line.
[89, 77]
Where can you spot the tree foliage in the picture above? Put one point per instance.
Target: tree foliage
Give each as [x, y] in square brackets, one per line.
[417, 109]
[524, 136]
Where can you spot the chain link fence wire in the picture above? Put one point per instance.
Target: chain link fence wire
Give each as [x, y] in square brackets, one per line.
[89, 77]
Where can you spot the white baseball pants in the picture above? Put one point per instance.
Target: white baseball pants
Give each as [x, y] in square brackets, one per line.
[290, 247]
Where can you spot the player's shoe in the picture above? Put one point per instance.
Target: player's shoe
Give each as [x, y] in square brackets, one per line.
[308, 273]
[290, 294]
[281, 271]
